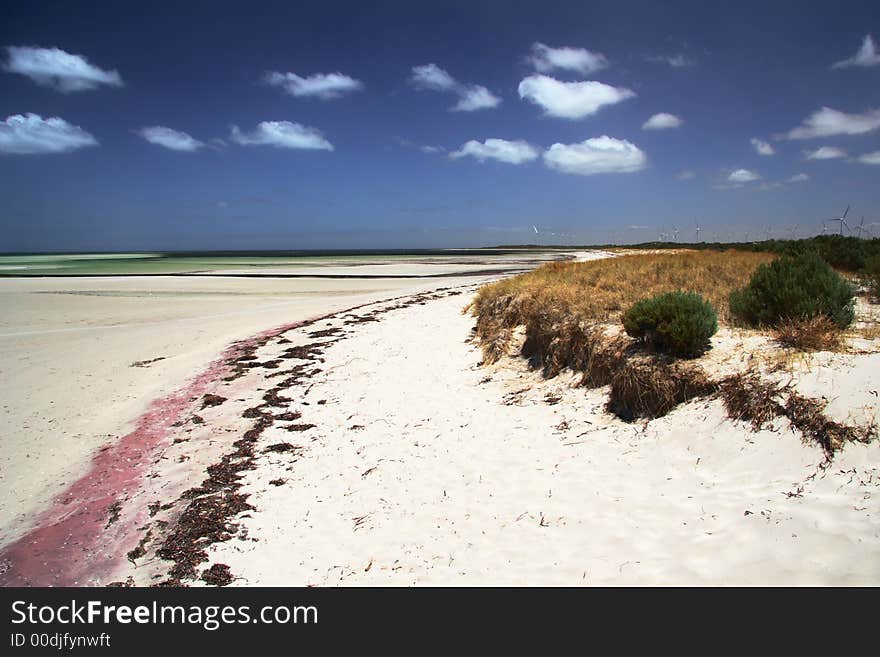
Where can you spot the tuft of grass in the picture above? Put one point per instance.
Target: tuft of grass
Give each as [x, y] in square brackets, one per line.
[807, 415]
[648, 389]
[809, 334]
[748, 398]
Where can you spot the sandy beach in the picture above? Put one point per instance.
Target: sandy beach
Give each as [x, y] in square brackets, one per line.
[347, 433]
[82, 358]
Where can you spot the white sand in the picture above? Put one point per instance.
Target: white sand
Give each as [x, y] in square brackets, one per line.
[67, 345]
[463, 475]
[424, 467]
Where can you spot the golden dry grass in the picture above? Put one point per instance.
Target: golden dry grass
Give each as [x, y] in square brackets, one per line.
[809, 334]
[581, 295]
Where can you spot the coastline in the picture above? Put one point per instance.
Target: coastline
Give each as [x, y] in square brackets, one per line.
[368, 445]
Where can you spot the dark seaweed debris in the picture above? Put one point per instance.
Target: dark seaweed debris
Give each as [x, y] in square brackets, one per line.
[212, 400]
[217, 575]
[209, 516]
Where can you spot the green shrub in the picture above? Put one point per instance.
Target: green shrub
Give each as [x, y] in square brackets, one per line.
[678, 322]
[794, 287]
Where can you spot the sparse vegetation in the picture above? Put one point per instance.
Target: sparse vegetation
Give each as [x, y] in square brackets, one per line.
[872, 276]
[678, 322]
[648, 389]
[563, 306]
[809, 334]
[569, 314]
[794, 288]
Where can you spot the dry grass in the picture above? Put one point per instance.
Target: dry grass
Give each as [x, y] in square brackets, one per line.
[809, 334]
[748, 398]
[561, 303]
[650, 389]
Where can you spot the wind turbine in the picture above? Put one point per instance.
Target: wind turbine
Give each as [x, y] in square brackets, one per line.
[699, 230]
[675, 233]
[842, 220]
[861, 228]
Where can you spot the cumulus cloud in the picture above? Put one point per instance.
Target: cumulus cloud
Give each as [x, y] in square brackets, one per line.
[512, 152]
[799, 177]
[743, 176]
[866, 56]
[282, 134]
[598, 155]
[869, 158]
[826, 153]
[687, 174]
[762, 147]
[570, 100]
[545, 59]
[320, 85]
[29, 134]
[471, 97]
[827, 122]
[662, 121]
[475, 97]
[431, 76]
[173, 139]
[58, 69]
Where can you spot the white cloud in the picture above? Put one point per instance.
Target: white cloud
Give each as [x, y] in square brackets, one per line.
[475, 97]
[762, 147]
[826, 153]
[471, 97]
[827, 122]
[866, 56]
[512, 152]
[598, 155]
[869, 158]
[662, 121]
[53, 67]
[282, 134]
[33, 134]
[545, 59]
[320, 85]
[685, 175]
[173, 139]
[431, 149]
[570, 100]
[743, 176]
[431, 76]
[797, 178]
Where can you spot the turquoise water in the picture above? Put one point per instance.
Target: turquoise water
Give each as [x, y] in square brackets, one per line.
[80, 264]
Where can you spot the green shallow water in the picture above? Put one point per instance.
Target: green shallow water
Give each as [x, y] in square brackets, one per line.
[80, 264]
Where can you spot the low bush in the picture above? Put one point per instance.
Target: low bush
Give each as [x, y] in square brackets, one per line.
[678, 322]
[794, 288]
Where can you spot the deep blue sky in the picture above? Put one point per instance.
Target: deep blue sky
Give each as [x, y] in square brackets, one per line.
[756, 70]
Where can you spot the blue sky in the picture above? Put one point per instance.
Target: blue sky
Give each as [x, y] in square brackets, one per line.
[366, 126]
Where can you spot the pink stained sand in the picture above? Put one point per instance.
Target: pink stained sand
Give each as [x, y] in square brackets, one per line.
[73, 544]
